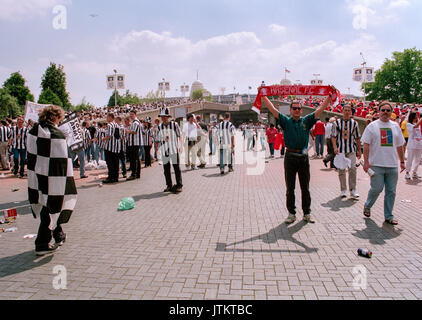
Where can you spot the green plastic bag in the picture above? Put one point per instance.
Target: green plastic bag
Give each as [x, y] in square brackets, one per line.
[126, 204]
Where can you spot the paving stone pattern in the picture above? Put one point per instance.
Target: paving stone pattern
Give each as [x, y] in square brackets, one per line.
[223, 237]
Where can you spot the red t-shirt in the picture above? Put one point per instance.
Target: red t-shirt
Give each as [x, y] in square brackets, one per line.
[271, 134]
[319, 128]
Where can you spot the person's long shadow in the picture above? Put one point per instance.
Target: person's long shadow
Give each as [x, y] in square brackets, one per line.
[337, 204]
[282, 232]
[151, 196]
[22, 262]
[215, 175]
[375, 234]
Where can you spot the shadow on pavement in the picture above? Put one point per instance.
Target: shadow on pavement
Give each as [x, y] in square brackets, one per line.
[376, 234]
[337, 204]
[282, 232]
[22, 262]
[155, 195]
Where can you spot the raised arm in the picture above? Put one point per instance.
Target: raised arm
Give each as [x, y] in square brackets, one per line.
[271, 107]
[324, 105]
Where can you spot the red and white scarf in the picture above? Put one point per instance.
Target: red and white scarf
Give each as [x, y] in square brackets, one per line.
[295, 90]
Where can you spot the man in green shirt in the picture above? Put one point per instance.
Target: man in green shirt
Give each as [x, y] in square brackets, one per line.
[296, 161]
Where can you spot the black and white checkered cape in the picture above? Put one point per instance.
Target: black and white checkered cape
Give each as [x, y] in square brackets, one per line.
[50, 174]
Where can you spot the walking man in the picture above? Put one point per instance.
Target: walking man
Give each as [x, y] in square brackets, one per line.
[346, 138]
[382, 148]
[168, 136]
[134, 135]
[226, 132]
[296, 162]
[18, 142]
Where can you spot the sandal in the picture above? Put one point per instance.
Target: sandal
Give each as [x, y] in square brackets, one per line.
[367, 212]
[392, 221]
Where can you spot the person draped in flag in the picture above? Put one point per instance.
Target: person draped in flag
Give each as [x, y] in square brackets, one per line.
[296, 162]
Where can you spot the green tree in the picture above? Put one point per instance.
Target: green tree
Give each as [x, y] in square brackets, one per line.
[119, 100]
[54, 79]
[197, 94]
[9, 106]
[17, 88]
[399, 79]
[83, 106]
[49, 97]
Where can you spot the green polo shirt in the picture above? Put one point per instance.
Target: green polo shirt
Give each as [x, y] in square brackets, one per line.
[296, 133]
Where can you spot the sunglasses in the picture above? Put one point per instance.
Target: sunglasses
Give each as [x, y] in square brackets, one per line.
[296, 108]
[385, 110]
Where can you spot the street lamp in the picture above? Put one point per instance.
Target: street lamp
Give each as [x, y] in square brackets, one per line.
[115, 88]
[364, 77]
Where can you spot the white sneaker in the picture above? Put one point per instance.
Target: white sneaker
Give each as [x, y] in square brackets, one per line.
[308, 218]
[354, 194]
[343, 194]
[407, 176]
[290, 219]
[416, 176]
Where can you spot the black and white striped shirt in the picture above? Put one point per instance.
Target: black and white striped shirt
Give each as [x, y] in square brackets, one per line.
[123, 137]
[19, 137]
[167, 135]
[87, 136]
[113, 145]
[4, 134]
[346, 132]
[225, 131]
[134, 139]
[147, 136]
[100, 134]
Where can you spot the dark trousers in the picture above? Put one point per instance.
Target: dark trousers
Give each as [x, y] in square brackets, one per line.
[147, 150]
[122, 159]
[112, 160]
[174, 159]
[135, 162]
[295, 163]
[271, 145]
[330, 153]
[45, 235]
[19, 153]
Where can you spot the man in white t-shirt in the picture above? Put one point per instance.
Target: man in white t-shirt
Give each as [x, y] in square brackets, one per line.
[382, 148]
[190, 134]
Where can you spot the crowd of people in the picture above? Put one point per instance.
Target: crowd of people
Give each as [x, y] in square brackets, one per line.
[118, 137]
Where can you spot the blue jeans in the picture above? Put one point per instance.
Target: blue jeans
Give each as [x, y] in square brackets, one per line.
[91, 152]
[81, 157]
[19, 153]
[319, 144]
[226, 158]
[142, 153]
[383, 177]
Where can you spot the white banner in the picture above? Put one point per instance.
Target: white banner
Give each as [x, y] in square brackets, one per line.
[120, 81]
[213, 117]
[369, 74]
[32, 110]
[357, 74]
[110, 82]
[179, 113]
[73, 132]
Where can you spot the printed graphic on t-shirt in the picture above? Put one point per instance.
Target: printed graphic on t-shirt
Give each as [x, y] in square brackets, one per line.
[386, 135]
[346, 135]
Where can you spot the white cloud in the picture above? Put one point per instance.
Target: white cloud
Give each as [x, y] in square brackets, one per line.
[277, 28]
[399, 4]
[374, 13]
[12, 10]
[236, 60]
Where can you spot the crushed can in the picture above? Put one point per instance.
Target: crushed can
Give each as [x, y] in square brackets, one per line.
[365, 253]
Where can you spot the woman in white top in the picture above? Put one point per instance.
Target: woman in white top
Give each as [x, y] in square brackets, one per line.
[414, 145]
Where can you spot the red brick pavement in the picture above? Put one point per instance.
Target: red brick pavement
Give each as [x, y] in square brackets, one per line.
[223, 237]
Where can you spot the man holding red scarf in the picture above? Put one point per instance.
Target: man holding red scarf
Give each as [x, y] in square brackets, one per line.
[296, 134]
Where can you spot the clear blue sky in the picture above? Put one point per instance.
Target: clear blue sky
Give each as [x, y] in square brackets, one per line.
[231, 43]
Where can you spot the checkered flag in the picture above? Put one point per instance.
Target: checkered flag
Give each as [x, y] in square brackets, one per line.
[50, 174]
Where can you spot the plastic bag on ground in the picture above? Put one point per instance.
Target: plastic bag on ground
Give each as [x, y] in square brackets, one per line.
[341, 162]
[91, 165]
[102, 164]
[126, 204]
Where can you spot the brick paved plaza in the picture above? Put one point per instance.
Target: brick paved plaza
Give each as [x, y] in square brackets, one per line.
[223, 237]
